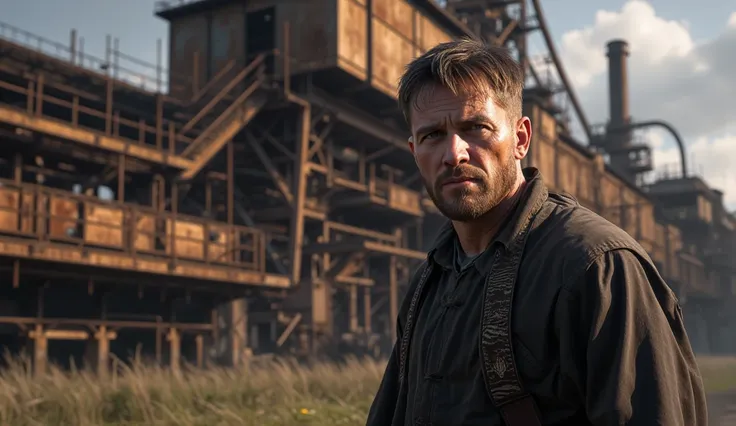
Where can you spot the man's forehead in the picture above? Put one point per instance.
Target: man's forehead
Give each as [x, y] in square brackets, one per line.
[439, 103]
[433, 96]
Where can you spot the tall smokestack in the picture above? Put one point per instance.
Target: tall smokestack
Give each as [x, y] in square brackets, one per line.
[618, 89]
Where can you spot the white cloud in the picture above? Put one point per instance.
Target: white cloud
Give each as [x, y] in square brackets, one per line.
[671, 77]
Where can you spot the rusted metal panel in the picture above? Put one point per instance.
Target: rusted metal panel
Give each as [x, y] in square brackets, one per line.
[630, 210]
[145, 232]
[188, 238]
[585, 183]
[547, 126]
[391, 53]
[352, 38]
[397, 14]
[67, 253]
[569, 167]
[221, 241]
[9, 206]
[659, 253]
[27, 215]
[659, 235]
[188, 55]
[611, 196]
[321, 306]
[103, 225]
[404, 199]
[430, 35]
[647, 223]
[227, 38]
[64, 215]
[546, 161]
[675, 245]
[312, 35]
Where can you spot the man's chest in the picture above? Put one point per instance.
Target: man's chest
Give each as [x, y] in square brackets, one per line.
[446, 339]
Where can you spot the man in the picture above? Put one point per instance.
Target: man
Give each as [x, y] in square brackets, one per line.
[530, 309]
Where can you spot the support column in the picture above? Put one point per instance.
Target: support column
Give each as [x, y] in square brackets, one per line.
[121, 178]
[300, 191]
[322, 320]
[199, 341]
[40, 341]
[40, 350]
[393, 296]
[103, 337]
[215, 336]
[174, 350]
[367, 307]
[353, 308]
[238, 317]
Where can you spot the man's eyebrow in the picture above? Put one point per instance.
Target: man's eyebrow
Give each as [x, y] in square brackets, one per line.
[477, 118]
[428, 128]
[473, 119]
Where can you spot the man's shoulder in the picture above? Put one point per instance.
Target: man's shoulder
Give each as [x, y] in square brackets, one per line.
[577, 234]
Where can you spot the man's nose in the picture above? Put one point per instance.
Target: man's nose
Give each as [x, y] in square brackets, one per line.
[456, 151]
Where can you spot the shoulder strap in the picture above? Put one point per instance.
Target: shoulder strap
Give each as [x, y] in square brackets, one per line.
[502, 380]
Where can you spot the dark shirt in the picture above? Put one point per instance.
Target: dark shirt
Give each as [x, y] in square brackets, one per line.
[598, 336]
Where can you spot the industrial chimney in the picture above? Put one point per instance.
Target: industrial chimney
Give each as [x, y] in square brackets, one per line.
[618, 93]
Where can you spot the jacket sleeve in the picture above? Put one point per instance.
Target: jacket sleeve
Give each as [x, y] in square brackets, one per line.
[629, 354]
[388, 397]
[384, 404]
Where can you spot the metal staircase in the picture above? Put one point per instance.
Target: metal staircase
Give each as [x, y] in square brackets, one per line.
[224, 115]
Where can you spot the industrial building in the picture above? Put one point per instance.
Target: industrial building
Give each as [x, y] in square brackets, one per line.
[257, 195]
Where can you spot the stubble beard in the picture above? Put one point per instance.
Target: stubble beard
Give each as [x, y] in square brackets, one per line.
[468, 204]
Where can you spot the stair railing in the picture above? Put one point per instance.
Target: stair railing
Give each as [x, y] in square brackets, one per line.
[212, 83]
[204, 136]
[255, 65]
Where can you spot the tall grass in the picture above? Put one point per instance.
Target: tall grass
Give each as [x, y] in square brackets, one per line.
[273, 393]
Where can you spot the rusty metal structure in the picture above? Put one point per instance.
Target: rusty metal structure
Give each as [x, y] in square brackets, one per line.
[259, 196]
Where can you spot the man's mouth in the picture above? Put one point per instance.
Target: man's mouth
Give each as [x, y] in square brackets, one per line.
[458, 180]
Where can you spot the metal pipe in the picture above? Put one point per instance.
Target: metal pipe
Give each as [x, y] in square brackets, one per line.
[667, 126]
[73, 45]
[618, 88]
[561, 70]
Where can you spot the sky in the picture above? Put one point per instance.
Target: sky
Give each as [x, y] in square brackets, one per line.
[682, 66]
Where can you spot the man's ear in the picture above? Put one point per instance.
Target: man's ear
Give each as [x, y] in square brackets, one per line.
[523, 137]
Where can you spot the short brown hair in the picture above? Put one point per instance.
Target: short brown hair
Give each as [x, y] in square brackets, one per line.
[465, 66]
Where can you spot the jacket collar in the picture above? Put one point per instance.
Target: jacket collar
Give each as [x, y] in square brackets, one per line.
[534, 195]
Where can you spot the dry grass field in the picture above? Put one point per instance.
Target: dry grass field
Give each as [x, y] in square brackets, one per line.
[280, 393]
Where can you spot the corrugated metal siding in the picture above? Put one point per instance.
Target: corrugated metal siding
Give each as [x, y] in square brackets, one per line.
[227, 38]
[313, 34]
[352, 37]
[391, 52]
[188, 55]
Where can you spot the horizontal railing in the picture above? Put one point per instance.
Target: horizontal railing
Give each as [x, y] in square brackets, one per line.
[157, 132]
[101, 112]
[254, 69]
[133, 71]
[49, 215]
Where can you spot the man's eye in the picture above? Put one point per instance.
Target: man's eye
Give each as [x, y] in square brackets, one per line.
[432, 135]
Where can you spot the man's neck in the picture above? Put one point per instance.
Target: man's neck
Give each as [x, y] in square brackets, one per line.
[476, 235]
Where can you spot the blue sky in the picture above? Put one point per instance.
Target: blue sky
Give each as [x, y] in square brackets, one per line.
[668, 38]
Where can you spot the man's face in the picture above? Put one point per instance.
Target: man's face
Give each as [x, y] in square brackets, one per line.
[467, 150]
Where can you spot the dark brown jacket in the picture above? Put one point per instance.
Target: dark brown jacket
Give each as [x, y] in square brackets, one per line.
[597, 335]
